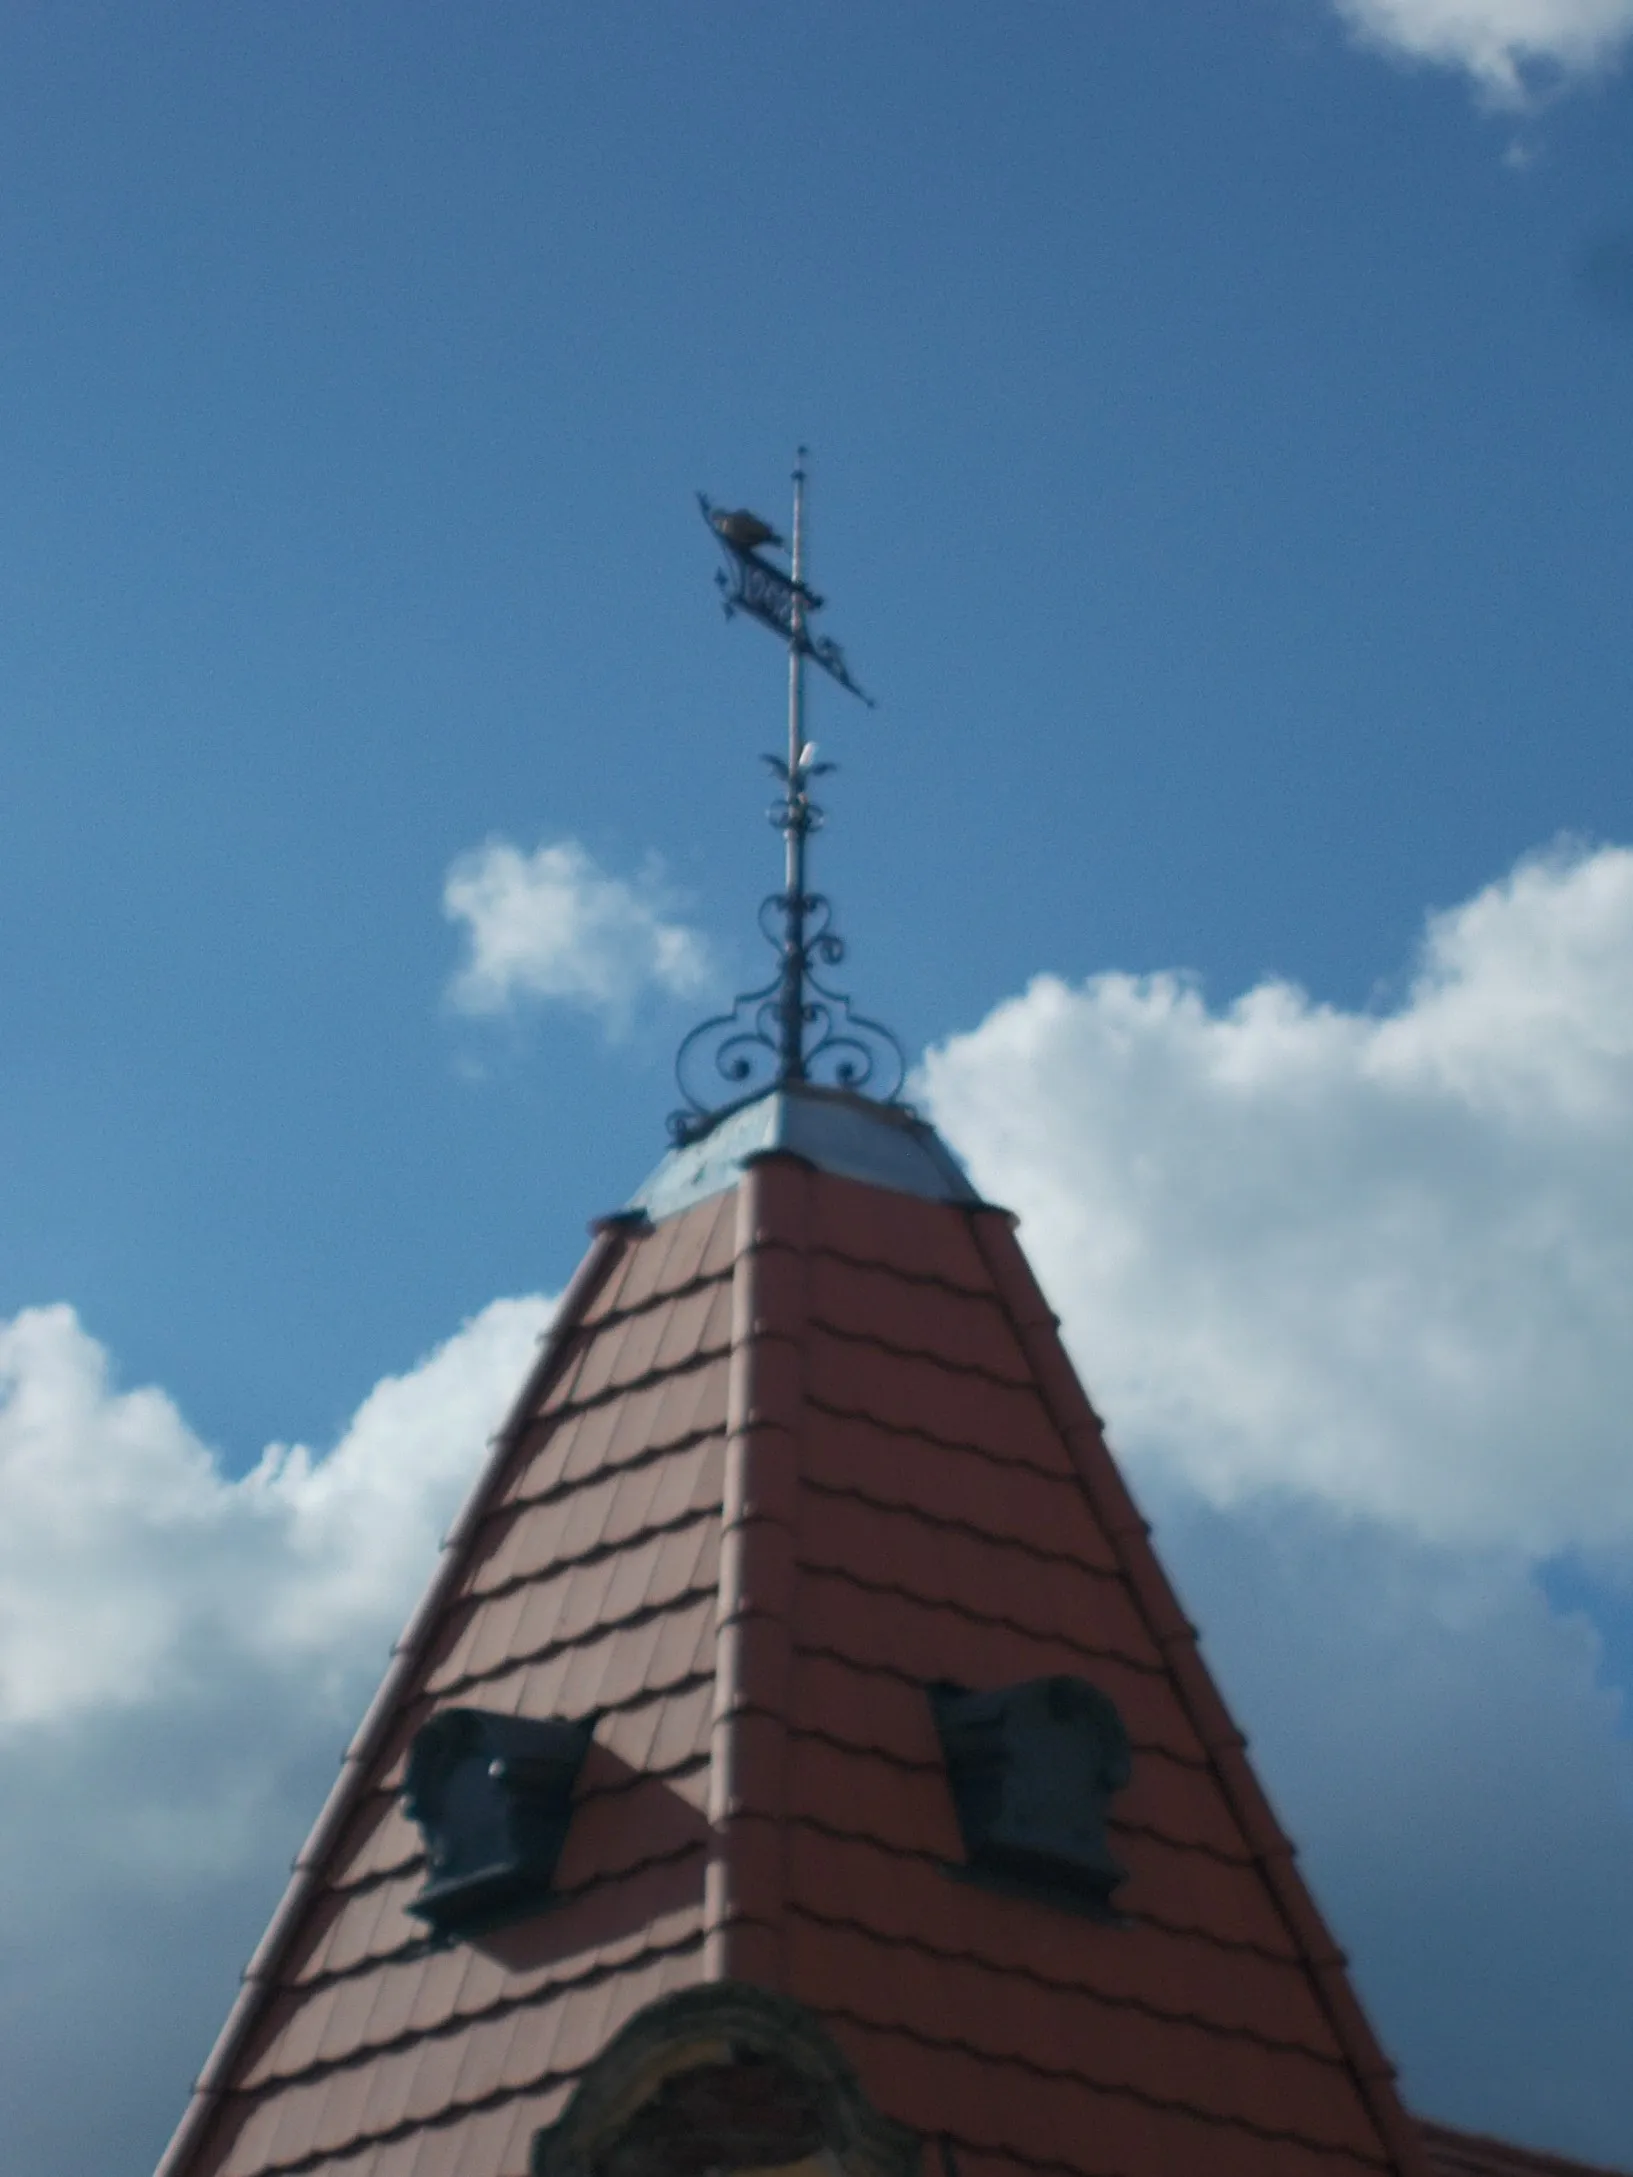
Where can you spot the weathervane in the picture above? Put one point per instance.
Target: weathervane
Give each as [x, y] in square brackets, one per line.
[793, 1029]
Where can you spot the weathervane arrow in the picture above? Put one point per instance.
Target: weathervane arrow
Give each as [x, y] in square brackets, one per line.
[779, 601]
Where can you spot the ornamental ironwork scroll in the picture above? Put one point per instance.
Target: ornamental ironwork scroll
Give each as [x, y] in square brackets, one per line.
[738, 1054]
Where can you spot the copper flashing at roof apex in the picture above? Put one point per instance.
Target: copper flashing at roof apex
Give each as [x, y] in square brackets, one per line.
[832, 1130]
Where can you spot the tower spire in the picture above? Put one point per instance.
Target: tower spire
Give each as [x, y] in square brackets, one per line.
[794, 1030]
[797, 818]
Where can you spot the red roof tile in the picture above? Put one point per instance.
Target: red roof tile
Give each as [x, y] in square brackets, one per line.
[748, 1561]
[1227, 1983]
[581, 1579]
[920, 1384]
[996, 1496]
[834, 1614]
[964, 1331]
[1065, 2123]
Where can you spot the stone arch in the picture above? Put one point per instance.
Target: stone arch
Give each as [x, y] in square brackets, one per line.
[721, 2080]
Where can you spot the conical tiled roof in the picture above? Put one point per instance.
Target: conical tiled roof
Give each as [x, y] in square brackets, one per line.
[803, 1447]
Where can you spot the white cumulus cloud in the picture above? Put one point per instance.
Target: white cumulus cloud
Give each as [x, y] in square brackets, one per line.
[183, 1656]
[130, 1563]
[1460, 1785]
[1380, 1261]
[1507, 47]
[1353, 1290]
[554, 925]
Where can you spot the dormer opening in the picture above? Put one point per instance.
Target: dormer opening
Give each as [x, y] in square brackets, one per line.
[1033, 1770]
[492, 1797]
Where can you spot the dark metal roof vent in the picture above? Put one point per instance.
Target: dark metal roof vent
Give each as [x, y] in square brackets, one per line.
[492, 1796]
[1033, 1769]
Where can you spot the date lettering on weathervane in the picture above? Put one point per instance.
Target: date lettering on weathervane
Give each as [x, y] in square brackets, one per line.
[764, 592]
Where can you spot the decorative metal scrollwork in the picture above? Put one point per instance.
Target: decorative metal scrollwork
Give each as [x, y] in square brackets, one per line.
[741, 1052]
[795, 1027]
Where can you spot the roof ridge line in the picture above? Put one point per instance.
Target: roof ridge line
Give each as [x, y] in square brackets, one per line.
[661, 1296]
[421, 1946]
[598, 1553]
[496, 2098]
[649, 1455]
[610, 1236]
[946, 1521]
[964, 1610]
[929, 1436]
[1188, 1930]
[930, 1766]
[942, 1443]
[325, 2067]
[902, 1677]
[918, 1353]
[1198, 1764]
[1181, 1930]
[648, 1376]
[643, 1614]
[1118, 1823]
[1134, 2093]
[1036, 1326]
[928, 1278]
[1336, 2061]
[744, 1883]
[644, 1696]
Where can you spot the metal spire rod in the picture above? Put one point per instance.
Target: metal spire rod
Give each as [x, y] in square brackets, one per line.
[797, 818]
[795, 1030]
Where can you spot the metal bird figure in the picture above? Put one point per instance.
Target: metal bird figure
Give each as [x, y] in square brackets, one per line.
[743, 531]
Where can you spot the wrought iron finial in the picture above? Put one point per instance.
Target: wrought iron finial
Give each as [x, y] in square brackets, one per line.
[793, 1028]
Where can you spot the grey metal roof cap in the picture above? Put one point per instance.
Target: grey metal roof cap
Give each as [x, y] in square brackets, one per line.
[882, 1145]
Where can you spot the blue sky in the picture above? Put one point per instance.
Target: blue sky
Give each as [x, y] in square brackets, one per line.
[1221, 472]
